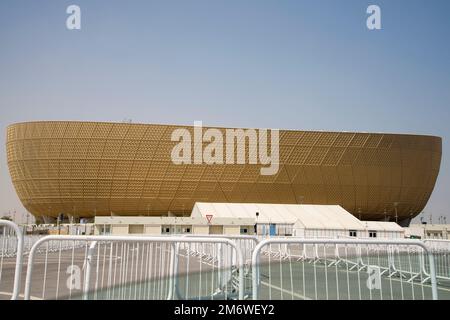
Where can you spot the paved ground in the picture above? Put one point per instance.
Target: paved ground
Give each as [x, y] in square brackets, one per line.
[316, 281]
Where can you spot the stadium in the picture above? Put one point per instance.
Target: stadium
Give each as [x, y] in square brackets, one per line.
[88, 169]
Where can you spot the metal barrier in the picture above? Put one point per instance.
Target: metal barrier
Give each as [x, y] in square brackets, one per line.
[222, 267]
[10, 232]
[342, 269]
[135, 267]
[245, 242]
[441, 251]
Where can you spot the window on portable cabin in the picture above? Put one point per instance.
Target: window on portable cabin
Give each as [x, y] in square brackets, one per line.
[279, 229]
[105, 229]
[290, 230]
[165, 229]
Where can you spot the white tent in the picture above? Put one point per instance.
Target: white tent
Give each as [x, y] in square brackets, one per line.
[284, 219]
[383, 229]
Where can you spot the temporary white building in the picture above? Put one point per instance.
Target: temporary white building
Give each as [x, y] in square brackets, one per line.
[302, 220]
[382, 229]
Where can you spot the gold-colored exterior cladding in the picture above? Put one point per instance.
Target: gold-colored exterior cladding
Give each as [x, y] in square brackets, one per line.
[92, 168]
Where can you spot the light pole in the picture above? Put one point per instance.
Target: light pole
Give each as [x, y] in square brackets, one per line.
[256, 224]
[396, 215]
[59, 224]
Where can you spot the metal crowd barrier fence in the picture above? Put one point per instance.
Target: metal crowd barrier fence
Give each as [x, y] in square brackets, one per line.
[245, 242]
[218, 267]
[11, 244]
[441, 251]
[389, 263]
[342, 269]
[134, 267]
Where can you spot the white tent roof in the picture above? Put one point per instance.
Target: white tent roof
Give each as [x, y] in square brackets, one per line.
[303, 216]
[382, 226]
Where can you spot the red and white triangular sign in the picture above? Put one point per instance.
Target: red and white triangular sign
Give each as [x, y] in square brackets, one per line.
[209, 217]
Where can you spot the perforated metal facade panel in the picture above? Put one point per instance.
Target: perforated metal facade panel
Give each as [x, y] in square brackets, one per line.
[91, 168]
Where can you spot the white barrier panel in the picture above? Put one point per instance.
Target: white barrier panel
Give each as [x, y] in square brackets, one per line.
[246, 244]
[134, 267]
[441, 252]
[295, 268]
[11, 253]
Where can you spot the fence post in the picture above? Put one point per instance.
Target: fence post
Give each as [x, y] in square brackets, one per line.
[19, 253]
[173, 267]
[255, 269]
[433, 276]
[87, 278]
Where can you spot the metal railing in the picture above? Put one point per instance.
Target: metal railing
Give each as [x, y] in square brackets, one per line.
[246, 243]
[221, 267]
[10, 232]
[135, 267]
[441, 252]
[342, 269]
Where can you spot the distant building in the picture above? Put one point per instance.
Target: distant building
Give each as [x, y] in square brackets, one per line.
[428, 231]
[306, 221]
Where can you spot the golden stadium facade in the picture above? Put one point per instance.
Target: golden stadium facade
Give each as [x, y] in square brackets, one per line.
[96, 168]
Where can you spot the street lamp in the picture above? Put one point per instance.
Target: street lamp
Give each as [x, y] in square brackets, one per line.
[59, 219]
[396, 215]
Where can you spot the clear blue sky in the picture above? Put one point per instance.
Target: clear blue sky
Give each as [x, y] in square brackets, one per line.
[277, 64]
